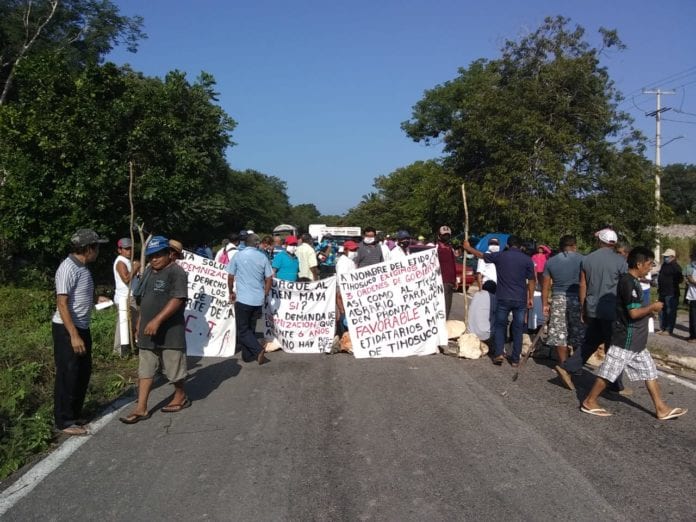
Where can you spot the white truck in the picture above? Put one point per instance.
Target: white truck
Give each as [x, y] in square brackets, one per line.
[319, 231]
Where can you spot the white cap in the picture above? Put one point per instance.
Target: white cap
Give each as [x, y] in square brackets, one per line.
[607, 235]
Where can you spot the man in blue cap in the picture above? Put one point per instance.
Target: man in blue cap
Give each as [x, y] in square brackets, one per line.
[162, 295]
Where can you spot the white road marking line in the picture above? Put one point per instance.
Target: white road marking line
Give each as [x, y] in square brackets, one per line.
[676, 379]
[32, 478]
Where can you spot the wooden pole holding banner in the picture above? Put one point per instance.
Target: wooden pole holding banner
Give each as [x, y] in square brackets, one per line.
[466, 238]
[131, 341]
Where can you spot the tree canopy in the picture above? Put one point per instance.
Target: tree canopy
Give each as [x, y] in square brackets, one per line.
[537, 136]
[678, 190]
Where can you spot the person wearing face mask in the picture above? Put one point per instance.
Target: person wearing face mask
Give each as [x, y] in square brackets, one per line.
[448, 267]
[346, 261]
[402, 247]
[668, 281]
[369, 251]
[486, 271]
[285, 263]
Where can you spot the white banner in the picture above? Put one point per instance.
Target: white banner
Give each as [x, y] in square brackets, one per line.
[210, 324]
[301, 317]
[396, 309]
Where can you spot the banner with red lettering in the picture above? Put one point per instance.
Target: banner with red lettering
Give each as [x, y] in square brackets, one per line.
[396, 309]
[210, 324]
[301, 317]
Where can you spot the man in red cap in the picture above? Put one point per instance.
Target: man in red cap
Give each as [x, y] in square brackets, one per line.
[285, 263]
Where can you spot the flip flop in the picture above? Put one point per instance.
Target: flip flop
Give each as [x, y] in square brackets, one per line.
[174, 408]
[75, 431]
[599, 412]
[676, 412]
[134, 418]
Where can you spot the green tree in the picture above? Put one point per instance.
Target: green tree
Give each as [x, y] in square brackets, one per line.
[83, 30]
[67, 141]
[678, 190]
[538, 139]
[254, 200]
[418, 198]
[303, 215]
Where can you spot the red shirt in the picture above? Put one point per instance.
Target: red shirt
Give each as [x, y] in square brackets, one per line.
[447, 263]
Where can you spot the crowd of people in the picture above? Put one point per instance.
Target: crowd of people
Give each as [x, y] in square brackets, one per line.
[588, 300]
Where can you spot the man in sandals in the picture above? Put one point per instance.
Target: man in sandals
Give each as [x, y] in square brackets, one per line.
[161, 330]
[628, 350]
[72, 341]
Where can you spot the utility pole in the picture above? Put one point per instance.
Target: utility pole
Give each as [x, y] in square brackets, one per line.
[657, 112]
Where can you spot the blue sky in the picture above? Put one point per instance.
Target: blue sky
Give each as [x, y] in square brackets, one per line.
[319, 88]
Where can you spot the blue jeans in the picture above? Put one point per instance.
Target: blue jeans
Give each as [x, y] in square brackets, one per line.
[245, 319]
[503, 308]
[668, 315]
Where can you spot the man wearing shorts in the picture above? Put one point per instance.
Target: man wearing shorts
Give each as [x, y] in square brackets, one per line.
[161, 330]
[629, 338]
[559, 296]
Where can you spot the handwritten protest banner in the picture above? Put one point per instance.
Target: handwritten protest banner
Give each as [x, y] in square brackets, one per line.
[396, 309]
[210, 326]
[301, 317]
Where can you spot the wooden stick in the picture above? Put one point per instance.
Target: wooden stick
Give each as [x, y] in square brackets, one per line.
[466, 238]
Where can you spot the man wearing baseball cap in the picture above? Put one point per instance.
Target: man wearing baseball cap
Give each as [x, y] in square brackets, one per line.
[285, 263]
[599, 276]
[448, 266]
[124, 272]
[668, 281]
[162, 295]
[72, 340]
[252, 272]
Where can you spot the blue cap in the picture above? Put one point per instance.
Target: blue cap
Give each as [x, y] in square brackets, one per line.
[156, 244]
[403, 234]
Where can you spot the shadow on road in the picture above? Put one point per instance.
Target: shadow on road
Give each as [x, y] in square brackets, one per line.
[203, 380]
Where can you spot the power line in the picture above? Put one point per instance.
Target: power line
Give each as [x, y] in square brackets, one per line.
[680, 121]
[684, 112]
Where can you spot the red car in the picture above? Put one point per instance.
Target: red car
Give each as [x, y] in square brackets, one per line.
[459, 267]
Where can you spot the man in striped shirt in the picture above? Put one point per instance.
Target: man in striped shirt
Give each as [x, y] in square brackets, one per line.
[72, 342]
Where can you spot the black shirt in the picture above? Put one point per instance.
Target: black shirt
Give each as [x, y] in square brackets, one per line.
[158, 288]
[669, 279]
[628, 333]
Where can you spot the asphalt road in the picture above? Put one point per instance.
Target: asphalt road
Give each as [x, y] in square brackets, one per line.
[329, 437]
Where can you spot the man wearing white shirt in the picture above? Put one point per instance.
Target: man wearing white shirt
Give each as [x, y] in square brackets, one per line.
[486, 271]
[402, 247]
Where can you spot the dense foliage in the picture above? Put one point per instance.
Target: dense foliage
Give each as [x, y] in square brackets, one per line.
[26, 373]
[538, 139]
[678, 189]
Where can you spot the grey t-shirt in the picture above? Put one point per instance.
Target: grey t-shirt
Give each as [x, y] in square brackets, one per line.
[481, 314]
[564, 270]
[368, 255]
[158, 288]
[602, 268]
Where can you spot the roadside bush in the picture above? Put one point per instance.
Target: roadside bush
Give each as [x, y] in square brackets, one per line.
[27, 373]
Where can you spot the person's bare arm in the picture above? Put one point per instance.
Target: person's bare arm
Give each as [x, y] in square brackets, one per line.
[78, 345]
[315, 273]
[471, 250]
[639, 313]
[582, 294]
[123, 272]
[230, 285]
[531, 286]
[545, 294]
[267, 284]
